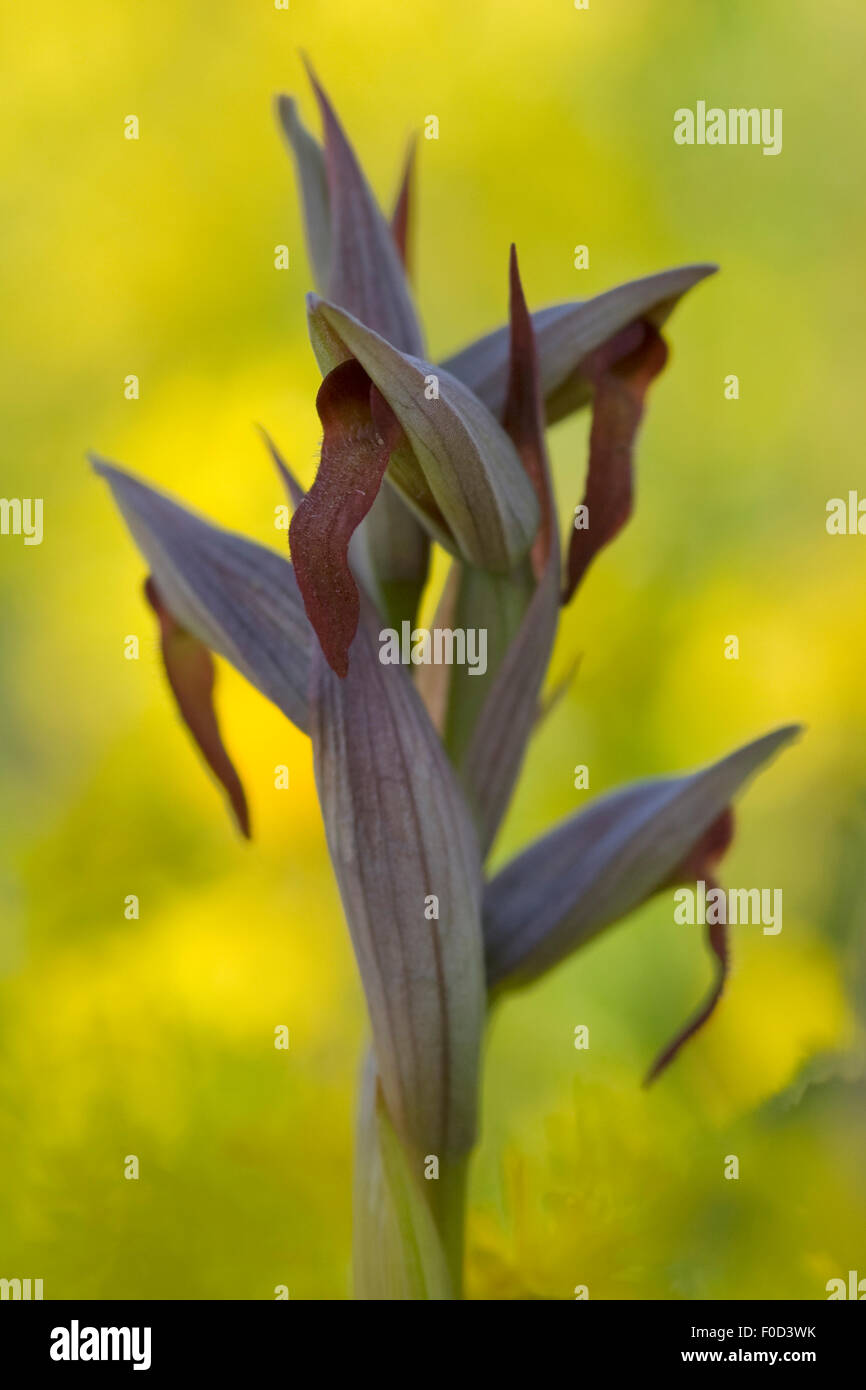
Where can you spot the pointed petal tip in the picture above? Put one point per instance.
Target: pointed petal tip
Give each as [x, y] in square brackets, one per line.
[337, 318]
[676, 280]
[290, 482]
[265, 437]
[122, 480]
[685, 277]
[794, 730]
[319, 304]
[786, 733]
[286, 111]
[701, 270]
[110, 472]
[515, 286]
[411, 150]
[316, 85]
[400, 217]
[113, 472]
[514, 282]
[98, 463]
[695, 270]
[659, 1065]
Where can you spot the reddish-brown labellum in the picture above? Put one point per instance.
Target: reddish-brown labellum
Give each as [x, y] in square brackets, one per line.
[621, 372]
[191, 675]
[353, 461]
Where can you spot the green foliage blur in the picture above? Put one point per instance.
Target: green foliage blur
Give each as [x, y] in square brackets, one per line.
[154, 1036]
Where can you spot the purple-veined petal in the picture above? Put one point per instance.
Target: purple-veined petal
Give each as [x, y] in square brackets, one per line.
[565, 334]
[406, 859]
[365, 276]
[496, 734]
[492, 762]
[523, 417]
[462, 474]
[494, 604]
[474, 598]
[604, 862]
[238, 598]
[310, 165]
[390, 551]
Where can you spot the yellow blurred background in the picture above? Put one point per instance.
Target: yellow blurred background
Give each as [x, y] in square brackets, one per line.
[156, 257]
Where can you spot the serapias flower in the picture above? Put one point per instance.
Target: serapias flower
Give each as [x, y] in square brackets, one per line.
[414, 775]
